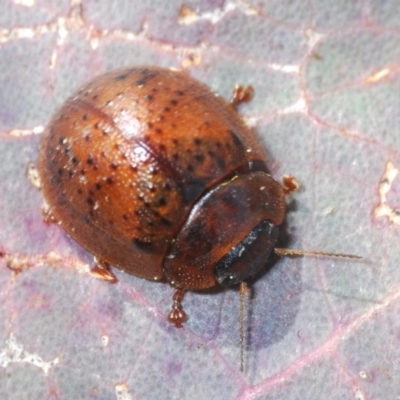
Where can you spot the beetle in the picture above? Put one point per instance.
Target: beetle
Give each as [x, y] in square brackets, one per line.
[156, 175]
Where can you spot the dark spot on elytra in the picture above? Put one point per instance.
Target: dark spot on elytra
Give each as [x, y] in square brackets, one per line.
[174, 102]
[148, 97]
[197, 141]
[165, 221]
[90, 160]
[85, 117]
[154, 90]
[67, 150]
[60, 171]
[125, 217]
[95, 97]
[190, 168]
[105, 133]
[148, 74]
[71, 173]
[82, 172]
[218, 144]
[133, 167]
[162, 201]
[74, 160]
[109, 103]
[199, 158]
[97, 186]
[140, 82]
[207, 123]
[114, 165]
[62, 140]
[167, 109]
[167, 186]
[121, 77]
[175, 156]
[79, 191]
[109, 180]
[96, 125]
[162, 147]
[173, 126]
[88, 138]
[89, 201]
[180, 92]
[91, 193]
[221, 163]
[143, 245]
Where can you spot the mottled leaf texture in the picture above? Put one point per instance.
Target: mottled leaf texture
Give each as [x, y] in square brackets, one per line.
[326, 76]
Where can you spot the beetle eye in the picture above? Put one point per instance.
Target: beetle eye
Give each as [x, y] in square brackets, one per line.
[248, 256]
[228, 281]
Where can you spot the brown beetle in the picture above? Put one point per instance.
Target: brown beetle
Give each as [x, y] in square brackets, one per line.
[154, 174]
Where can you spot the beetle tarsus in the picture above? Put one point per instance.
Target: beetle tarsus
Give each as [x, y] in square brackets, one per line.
[177, 315]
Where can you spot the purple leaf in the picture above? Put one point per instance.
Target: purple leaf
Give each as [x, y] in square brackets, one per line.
[327, 110]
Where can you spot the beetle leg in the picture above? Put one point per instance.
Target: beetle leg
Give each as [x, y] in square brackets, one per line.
[177, 315]
[241, 95]
[102, 271]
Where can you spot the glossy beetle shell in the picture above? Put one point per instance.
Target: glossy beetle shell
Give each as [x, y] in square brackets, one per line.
[131, 158]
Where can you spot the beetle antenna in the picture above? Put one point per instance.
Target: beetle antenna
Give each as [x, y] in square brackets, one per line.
[243, 292]
[291, 252]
